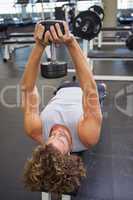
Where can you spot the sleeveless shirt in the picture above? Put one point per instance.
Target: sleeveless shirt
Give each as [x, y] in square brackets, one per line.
[64, 108]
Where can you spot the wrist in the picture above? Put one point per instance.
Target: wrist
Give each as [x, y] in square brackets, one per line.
[71, 43]
[40, 46]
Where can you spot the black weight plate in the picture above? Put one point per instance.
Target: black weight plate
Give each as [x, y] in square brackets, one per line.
[54, 70]
[55, 66]
[87, 25]
[99, 10]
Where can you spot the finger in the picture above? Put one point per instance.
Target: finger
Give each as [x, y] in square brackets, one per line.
[39, 24]
[58, 29]
[53, 33]
[39, 30]
[41, 27]
[36, 28]
[48, 37]
[66, 29]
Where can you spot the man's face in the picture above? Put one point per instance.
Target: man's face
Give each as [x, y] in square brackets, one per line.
[59, 139]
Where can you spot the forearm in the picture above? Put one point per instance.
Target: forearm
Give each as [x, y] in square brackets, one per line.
[32, 68]
[81, 65]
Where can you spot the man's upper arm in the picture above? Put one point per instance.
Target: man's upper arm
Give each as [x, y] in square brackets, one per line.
[32, 120]
[91, 121]
[33, 126]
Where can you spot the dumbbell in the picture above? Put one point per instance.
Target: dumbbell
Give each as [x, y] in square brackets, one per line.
[53, 69]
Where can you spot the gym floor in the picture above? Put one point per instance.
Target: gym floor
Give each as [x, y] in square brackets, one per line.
[109, 164]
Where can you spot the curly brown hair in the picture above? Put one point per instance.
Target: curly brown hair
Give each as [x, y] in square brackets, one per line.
[49, 170]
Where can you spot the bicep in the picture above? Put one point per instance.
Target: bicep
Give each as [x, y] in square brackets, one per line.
[89, 131]
[91, 121]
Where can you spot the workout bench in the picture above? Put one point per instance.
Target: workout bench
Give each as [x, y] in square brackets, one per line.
[48, 196]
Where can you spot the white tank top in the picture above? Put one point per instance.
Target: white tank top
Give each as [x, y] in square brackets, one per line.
[64, 108]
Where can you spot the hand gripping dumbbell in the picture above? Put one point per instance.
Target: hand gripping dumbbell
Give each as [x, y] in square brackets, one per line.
[54, 68]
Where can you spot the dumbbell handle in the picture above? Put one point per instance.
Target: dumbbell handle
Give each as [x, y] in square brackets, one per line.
[53, 52]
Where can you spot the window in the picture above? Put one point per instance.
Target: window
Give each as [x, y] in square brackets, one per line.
[9, 7]
[125, 4]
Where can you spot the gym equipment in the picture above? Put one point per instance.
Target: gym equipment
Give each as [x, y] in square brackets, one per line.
[53, 69]
[99, 10]
[19, 40]
[66, 12]
[87, 25]
[70, 10]
[3, 32]
[129, 42]
[111, 55]
[95, 55]
[22, 2]
[59, 13]
[48, 196]
[48, 23]
[14, 41]
[126, 39]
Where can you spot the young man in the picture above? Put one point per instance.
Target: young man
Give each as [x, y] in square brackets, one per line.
[71, 122]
